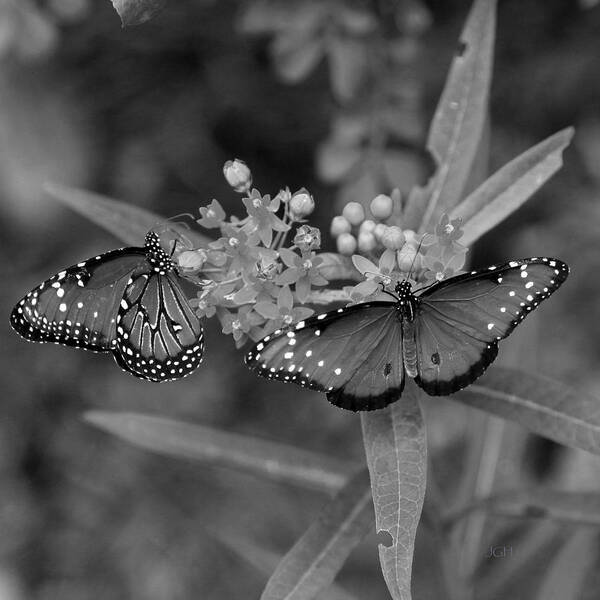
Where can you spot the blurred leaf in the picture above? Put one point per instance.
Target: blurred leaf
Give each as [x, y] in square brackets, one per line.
[335, 160]
[576, 508]
[459, 119]
[126, 222]
[265, 561]
[219, 448]
[510, 186]
[136, 12]
[265, 16]
[295, 55]
[591, 582]
[348, 65]
[567, 569]
[543, 405]
[396, 450]
[336, 266]
[315, 559]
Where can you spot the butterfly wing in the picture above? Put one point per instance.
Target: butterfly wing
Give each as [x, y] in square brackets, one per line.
[353, 354]
[460, 321]
[77, 306]
[159, 337]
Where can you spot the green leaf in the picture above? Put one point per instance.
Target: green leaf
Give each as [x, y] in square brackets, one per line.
[396, 449]
[574, 508]
[315, 559]
[507, 189]
[126, 222]
[219, 448]
[136, 12]
[459, 120]
[543, 405]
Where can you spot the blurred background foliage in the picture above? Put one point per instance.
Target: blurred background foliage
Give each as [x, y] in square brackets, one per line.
[335, 96]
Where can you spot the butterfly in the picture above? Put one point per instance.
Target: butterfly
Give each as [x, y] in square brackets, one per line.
[444, 338]
[129, 302]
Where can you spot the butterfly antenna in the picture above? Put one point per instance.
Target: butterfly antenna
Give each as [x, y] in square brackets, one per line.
[412, 264]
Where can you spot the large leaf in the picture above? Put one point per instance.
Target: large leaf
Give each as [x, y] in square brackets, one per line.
[457, 126]
[219, 448]
[315, 559]
[543, 405]
[136, 12]
[126, 222]
[395, 444]
[507, 189]
[575, 508]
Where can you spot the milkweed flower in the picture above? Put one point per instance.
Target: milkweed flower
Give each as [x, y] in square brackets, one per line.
[238, 175]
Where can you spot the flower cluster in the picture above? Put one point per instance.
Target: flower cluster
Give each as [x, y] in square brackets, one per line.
[389, 253]
[248, 277]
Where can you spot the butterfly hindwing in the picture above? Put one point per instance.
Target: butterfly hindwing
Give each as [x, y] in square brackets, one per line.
[460, 321]
[159, 337]
[351, 354]
[77, 306]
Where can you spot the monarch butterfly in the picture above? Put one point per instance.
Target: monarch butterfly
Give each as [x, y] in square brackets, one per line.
[445, 337]
[129, 302]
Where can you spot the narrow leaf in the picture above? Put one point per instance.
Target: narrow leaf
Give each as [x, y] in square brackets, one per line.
[543, 405]
[136, 12]
[507, 189]
[566, 571]
[396, 450]
[126, 222]
[219, 448]
[575, 508]
[457, 126]
[315, 559]
[265, 561]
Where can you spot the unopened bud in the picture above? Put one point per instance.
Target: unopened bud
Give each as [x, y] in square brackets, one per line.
[238, 175]
[366, 241]
[354, 213]
[192, 260]
[408, 258]
[367, 226]
[346, 244]
[379, 231]
[393, 238]
[381, 207]
[301, 204]
[339, 225]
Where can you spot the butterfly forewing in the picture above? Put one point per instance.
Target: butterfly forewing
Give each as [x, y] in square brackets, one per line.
[75, 306]
[158, 335]
[460, 321]
[351, 354]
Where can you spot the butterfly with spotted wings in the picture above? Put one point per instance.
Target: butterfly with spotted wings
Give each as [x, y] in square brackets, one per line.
[444, 338]
[129, 302]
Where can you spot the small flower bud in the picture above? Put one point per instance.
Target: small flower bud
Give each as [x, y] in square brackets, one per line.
[346, 244]
[192, 260]
[379, 231]
[381, 207]
[366, 241]
[411, 237]
[354, 213]
[407, 258]
[301, 204]
[367, 226]
[393, 238]
[238, 175]
[339, 225]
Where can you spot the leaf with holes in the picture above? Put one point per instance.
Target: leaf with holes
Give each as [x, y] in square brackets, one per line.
[395, 444]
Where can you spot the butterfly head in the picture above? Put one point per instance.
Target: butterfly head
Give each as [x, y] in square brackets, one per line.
[407, 301]
[155, 253]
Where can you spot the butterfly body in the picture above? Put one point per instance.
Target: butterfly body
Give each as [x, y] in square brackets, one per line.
[444, 337]
[127, 301]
